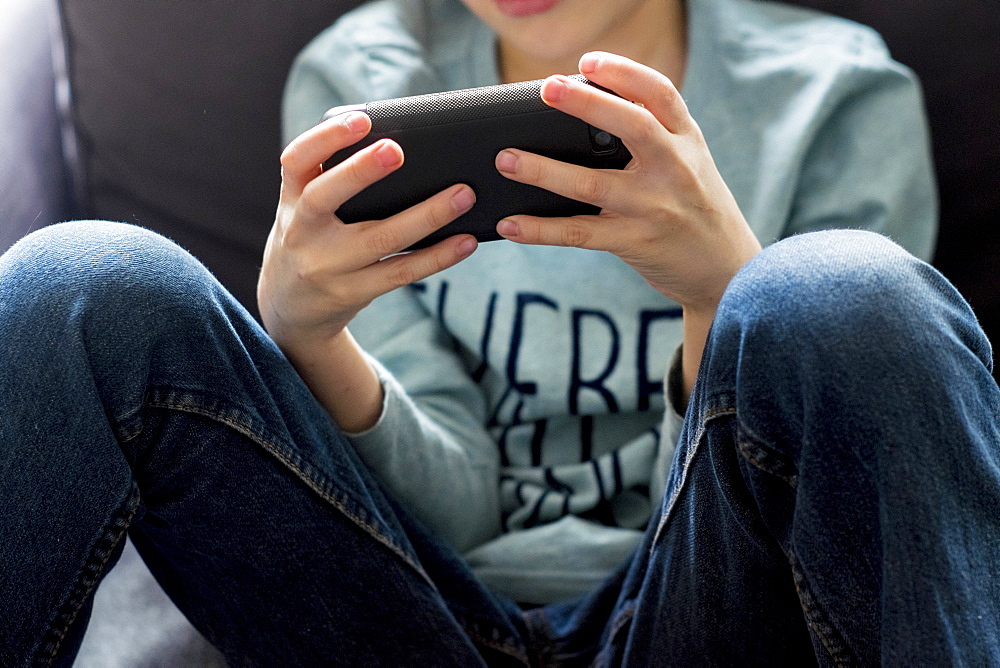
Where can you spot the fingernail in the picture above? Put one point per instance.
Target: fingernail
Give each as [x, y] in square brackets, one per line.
[589, 63]
[507, 162]
[386, 155]
[356, 122]
[463, 200]
[467, 247]
[507, 228]
[554, 89]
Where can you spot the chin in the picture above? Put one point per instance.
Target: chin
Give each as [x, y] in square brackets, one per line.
[537, 43]
[551, 54]
[559, 33]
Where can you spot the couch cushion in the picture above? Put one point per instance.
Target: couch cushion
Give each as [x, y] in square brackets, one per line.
[177, 109]
[33, 186]
[953, 47]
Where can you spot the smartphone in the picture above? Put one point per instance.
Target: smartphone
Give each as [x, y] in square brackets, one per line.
[454, 137]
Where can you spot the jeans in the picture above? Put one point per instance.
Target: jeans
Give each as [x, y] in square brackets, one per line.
[835, 496]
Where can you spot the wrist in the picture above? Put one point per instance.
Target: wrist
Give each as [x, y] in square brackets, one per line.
[337, 372]
[697, 323]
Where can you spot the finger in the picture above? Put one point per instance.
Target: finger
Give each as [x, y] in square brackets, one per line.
[302, 159]
[603, 188]
[400, 270]
[642, 133]
[642, 84]
[589, 232]
[381, 238]
[325, 193]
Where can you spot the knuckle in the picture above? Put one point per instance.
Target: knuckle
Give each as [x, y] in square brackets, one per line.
[310, 274]
[437, 260]
[650, 236]
[432, 217]
[404, 273]
[668, 92]
[289, 156]
[340, 297]
[310, 200]
[356, 172]
[383, 240]
[589, 186]
[647, 130]
[575, 233]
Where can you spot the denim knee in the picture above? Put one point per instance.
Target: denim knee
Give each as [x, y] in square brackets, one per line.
[94, 265]
[833, 323]
[851, 290]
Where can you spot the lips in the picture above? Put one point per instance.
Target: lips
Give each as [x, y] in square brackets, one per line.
[522, 8]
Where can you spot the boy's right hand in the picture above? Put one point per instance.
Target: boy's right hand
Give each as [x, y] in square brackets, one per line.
[317, 271]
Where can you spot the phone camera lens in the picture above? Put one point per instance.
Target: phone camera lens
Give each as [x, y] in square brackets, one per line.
[602, 142]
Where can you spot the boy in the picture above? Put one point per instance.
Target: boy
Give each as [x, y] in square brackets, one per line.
[504, 407]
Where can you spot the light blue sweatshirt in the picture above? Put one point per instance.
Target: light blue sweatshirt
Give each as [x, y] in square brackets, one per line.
[525, 417]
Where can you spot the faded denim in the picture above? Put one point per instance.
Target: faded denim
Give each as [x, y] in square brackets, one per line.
[835, 496]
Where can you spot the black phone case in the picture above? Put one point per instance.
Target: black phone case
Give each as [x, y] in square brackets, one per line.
[454, 137]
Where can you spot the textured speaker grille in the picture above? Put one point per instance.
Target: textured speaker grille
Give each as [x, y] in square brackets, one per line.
[458, 105]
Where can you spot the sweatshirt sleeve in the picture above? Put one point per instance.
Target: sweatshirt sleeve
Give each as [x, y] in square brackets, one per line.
[430, 447]
[869, 164]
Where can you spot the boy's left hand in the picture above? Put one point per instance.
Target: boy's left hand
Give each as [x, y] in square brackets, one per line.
[668, 214]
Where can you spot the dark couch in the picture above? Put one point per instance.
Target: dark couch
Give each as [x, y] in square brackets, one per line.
[166, 114]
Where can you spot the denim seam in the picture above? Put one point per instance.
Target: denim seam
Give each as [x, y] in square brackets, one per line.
[817, 619]
[129, 426]
[473, 628]
[765, 459]
[708, 416]
[103, 548]
[272, 448]
[760, 457]
[623, 619]
[507, 648]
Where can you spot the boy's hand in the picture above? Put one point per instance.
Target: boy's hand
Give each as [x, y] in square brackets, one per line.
[318, 272]
[668, 213]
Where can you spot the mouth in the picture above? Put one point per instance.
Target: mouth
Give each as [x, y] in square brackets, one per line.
[521, 8]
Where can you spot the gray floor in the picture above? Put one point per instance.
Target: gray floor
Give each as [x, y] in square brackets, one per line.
[135, 624]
